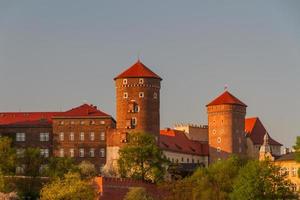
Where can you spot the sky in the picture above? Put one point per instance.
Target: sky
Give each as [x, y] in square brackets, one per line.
[55, 55]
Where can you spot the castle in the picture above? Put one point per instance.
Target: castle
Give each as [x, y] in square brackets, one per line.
[87, 133]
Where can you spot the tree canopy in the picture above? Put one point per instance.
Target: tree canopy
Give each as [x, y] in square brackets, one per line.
[141, 158]
[71, 187]
[7, 156]
[138, 193]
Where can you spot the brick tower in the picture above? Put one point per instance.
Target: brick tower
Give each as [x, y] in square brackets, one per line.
[226, 127]
[137, 95]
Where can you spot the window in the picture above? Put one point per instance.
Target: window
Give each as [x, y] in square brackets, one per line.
[71, 136]
[20, 169]
[187, 160]
[61, 153]
[124, 81]
[294, 172]
[125, 95]
[182, 159]
[92, 136]
[136, 108]
[44, 137]
[134, 121]
[219, 140]
[218, 149]
[102, 122]
[61, 122]
[214, 131]
[81, 152]
[92, 122]
[20, 137]
[82, 122]
[102, 152]
[92, 152]
[82, 136]
[102, 136]
[72, 122]
[20, 153]
[154, 95]
[72, 153]
[141, 81]
[141, 94]
[61, 136]
[44, 152]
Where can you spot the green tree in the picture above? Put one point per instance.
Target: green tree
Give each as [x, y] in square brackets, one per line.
[261, 181]
[87, 169]
[141, 158]
[297, 149]
[71, 187]
[58, 167]
[212, 183]
[32, 160]
[138, 193]
[7, 156]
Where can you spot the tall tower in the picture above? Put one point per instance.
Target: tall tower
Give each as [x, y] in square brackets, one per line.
[226, 127]
[137, 93]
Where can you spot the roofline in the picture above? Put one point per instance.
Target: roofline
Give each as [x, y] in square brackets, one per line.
[82, 117]
[237, 104]
[159, 78]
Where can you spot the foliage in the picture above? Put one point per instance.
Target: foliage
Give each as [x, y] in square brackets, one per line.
[28, 187]
[138, 193]
[58, 167]
[7, 156]
[71, 187]
[2, 183]
[32, 160]
[261, 181]
[141, 158]
[297, 149]
[87, 169]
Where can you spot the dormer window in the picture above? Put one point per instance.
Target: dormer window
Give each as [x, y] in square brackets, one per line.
[124, 81]
[141, 81]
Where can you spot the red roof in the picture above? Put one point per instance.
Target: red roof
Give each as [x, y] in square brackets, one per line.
[177, 141]
[256, 131]
[7, 118]
[138, 70]
[84, 110]
[226, 98]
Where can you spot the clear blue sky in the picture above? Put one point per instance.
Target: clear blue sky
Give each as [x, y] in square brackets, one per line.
[56, 54]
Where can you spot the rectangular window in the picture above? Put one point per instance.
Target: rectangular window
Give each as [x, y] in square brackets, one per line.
[92, 152]
[125, 95]
[20, 137]
[102, 136]
[71, 136]
[102, 152]
[92, 136]
[82, 136]
[20, 153]
[44, 137]
[44, 152]
[82, 122]
[61, 136]
[133, 121]
[81, 152]
[141, 81]
[124, 81]
[72, 153]
[61, 153]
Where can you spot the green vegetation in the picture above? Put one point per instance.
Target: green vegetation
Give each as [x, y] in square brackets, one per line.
[87, 169]
[58, 167]
[141, 158]
[233, 179]
[71, 187]
[138, 193]
[7, 156]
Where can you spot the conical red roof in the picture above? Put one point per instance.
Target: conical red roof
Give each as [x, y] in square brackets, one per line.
[138, 70]
[226, 98]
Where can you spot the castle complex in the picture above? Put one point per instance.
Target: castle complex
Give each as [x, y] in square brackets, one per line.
[87, 133]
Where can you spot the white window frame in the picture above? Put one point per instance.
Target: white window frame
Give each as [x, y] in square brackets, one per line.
[92, 136]
[102, 152]
[44, 153]
[81, 152]
[81, 136]
[125, 95]
[134, 121]
[155, 95]
[141, 81]
[92, 152]
[102, 135]
[20, 137]
[61, 136]
[71, 136]
[61, 152]
[141, 94]
[71, 151]
[44, 137]
[125, 81]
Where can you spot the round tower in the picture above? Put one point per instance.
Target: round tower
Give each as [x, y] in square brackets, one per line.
[138, 100]
[226, 127]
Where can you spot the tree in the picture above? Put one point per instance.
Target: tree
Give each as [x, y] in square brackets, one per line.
[138, 193]
[261, 181]
[7, 156]
[141, 158]
[87, 169]
[68, 188]
[58, 167]
[212, 183]
[297, 149]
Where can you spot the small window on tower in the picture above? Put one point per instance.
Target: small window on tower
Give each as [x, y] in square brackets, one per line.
[141, 94]
[219, 140]
[134, 121]
[141, 81]
[218, 149]
[124, 81]
[125, 95]
[154, 95]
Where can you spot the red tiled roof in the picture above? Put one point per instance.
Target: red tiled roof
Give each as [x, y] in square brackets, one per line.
[226, 98]
[256, 131]
[83, 111]
[177, 141]
[138, 70]
[7, 118]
